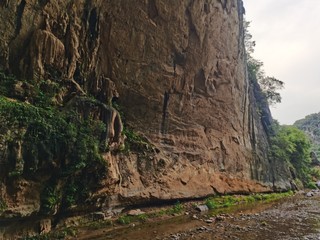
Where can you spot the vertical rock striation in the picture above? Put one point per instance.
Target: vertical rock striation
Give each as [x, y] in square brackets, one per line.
[178, 71]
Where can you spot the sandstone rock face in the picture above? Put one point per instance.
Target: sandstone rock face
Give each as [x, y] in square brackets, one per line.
[178, 71]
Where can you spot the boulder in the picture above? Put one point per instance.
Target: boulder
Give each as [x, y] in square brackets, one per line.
[202, 208]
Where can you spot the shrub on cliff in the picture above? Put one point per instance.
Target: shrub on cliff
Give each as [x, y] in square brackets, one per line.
[49, 134]
[60, 145]
[39, 139]
[269, 85]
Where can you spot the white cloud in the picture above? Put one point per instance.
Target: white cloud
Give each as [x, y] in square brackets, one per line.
[287, 33]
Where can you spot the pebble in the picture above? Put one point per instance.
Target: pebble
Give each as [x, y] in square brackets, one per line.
[203, 228]
[209, 221]
[195, 217]
[309, 194]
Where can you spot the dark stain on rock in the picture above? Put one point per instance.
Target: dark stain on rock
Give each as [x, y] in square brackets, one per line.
[20, 10]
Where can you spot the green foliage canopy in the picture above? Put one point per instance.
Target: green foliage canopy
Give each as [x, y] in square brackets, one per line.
[292, 145]
[311, 126]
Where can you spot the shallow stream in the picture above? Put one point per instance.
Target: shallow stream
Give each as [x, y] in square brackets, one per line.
[295, 217]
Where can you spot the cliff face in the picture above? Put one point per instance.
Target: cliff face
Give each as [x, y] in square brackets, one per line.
[177, 70]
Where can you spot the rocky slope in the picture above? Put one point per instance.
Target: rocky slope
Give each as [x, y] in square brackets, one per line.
[177, 71]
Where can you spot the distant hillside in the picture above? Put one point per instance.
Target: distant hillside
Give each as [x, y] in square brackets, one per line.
[311, 126]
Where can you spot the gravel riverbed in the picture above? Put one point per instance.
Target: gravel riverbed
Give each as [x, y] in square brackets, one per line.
[296, 217]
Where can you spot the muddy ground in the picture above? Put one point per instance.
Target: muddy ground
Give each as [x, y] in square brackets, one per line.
[296, 217]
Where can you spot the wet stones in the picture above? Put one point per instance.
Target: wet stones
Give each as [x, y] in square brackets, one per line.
[312, 193]
[191, 234]
[309, 194]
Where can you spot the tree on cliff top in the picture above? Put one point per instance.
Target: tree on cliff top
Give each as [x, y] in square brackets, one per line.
[288, 143]
[269, 85]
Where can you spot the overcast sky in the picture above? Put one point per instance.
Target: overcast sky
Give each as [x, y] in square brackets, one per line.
[287, 35]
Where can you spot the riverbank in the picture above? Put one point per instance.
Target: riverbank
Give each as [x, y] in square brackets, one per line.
[272, 216]
[295, 217]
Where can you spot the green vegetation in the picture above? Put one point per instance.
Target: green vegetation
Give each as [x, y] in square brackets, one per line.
[3, 205]
[6, 83]
[66, 142]
[50, 199]
[291, 145]
[51, 134]
[228, 201]
[99, 224]
[212, 203]
[61, 234]
[142, 217]
[71, 193]
[311, 185]
[125, 219]
[221, 202]
[134, 142]
[288, 144]
[310, 125]
[40, 94]
[315, 173]
[268, 86]
[177, 208]
[14, 174]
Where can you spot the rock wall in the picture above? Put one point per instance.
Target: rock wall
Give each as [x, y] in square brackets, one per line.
[177, 69]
